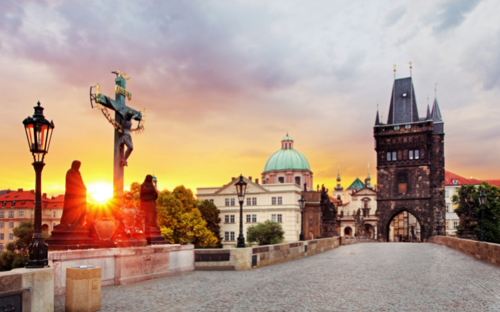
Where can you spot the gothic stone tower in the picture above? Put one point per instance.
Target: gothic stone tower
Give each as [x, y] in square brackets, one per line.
[410, 162]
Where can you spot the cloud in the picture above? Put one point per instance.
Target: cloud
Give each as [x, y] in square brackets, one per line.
[452, 13]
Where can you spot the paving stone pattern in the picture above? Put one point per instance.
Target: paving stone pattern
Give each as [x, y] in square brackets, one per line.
[362, 277]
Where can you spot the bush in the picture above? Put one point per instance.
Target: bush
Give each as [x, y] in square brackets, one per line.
[267, 233]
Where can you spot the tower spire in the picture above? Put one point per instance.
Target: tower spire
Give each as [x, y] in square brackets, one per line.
[377, 119]
[411, 95]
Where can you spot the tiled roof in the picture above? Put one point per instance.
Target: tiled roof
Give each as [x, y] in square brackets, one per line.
[357, 184]
[495, 182]
[24, 199]
[403, 106]
[450, 178]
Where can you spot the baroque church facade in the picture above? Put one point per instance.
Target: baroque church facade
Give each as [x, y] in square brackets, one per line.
[410, 164]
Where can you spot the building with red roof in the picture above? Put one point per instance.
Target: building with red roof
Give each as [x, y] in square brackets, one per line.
[18, 206]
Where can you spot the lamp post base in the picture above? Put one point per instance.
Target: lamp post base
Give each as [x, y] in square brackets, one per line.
[38, 254]
[241, 241]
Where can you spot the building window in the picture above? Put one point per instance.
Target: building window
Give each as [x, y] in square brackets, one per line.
[211, 200]
[455, 182]
[254, 201]
[232, 201]
[411, 154]
[394, 156]
[11, 236]
[1, 225]
[445, 193]
[21, 214]
[416, 154]
[280, 200]
[455, 224]
[402, 182]
[2, 237]
[249, 218]
[1, 247]
[249, 201]
[232, 218]
[447, 224]
[11, 225]
[297, 180]
[254, 218]
[2, 214]
[226, 219]
[232, 236]
[273, 217]
[273, 200]
[388, 156]
[227, 201]
[226, 236]
[281, 180]
[11, 214]
[280, 218]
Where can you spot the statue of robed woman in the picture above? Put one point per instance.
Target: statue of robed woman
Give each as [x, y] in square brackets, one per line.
[75, 198]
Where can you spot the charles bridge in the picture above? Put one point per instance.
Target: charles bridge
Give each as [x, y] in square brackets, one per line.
[364, 276]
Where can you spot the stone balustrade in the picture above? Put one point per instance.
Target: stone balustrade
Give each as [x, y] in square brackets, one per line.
[241, 259]
[488, 252]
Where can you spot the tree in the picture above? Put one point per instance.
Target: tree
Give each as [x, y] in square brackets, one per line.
[267, 233]
[210, 213]
[180, 221]
[16, 255]
[132, 198]
[491, 211]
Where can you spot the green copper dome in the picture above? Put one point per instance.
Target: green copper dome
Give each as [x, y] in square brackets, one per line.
[357, 184]
[287, 138]
[287, 159]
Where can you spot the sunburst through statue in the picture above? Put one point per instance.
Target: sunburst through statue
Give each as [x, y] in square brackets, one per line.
[99, 192]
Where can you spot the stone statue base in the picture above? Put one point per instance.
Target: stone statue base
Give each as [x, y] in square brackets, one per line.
[153, 236]
[66, 237]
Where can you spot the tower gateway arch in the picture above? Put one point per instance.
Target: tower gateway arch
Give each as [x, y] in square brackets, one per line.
[410, 163]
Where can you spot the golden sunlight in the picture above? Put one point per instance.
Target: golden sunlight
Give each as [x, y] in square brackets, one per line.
[100, 192]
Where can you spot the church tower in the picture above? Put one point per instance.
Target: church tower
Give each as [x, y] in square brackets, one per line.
[410, 162]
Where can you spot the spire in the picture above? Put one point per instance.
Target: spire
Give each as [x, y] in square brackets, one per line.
[428, 116]
[368, 175]
[436, 112]
[377, 119]
[338, 187]
[403, 107]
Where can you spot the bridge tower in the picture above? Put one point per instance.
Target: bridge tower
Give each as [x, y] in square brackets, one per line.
[410, 162]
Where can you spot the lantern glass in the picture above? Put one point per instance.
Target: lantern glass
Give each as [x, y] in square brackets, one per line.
[38, 133]
[241, 188]
[482, 198]
[302, 202]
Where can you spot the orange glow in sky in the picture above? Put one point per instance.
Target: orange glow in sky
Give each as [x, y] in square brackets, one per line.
[99, 192]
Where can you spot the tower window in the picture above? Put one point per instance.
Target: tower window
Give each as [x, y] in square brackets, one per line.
[394, 156]
[411, 154]
[402, 182]
[388, 156]
[297, 180]
[416, 154]
[281, 180]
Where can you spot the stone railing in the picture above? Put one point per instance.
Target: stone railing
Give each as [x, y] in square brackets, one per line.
[488, 252]
[349, 240]
[241, 259]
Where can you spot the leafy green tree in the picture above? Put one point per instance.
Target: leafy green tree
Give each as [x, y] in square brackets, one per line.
[180, 221]
[132, 198]
[16, 255]
[210, 213]
[491, 211]
[267, 233]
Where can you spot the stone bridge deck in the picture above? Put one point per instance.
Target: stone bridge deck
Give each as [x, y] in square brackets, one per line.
[363, 277]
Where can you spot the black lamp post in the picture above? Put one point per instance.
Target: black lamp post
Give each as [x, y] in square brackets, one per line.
[39, 133]
[241, 187]
[302, 202]
[482, 201]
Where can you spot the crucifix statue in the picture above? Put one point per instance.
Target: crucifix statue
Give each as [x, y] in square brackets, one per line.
[122, 123]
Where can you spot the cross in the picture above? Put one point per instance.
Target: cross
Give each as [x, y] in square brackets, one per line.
[117, 105]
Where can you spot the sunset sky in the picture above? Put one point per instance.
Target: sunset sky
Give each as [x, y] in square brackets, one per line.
[223, 82]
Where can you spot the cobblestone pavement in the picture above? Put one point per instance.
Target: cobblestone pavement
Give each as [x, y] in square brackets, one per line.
[362, 277]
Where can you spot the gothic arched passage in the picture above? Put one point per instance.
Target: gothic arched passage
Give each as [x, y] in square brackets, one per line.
[403, 226]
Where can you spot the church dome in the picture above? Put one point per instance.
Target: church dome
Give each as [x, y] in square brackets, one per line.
[287, 158]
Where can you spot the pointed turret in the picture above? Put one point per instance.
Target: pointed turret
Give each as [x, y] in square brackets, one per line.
[403, 108]
[436, 112]
[338, 187]
[428, 116]
[377, 119]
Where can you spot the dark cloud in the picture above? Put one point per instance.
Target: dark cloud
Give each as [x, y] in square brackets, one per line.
[452, 13]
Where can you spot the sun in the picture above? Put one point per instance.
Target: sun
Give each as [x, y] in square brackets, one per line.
[100, 192]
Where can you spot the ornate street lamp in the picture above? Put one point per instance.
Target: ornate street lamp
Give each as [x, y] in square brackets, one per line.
[302, 202]
[241, 188]
[39, 133]
[482, 201]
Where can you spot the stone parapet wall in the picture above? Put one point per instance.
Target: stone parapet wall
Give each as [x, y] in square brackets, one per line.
[241, 259]
[488, 252]
[124, 265]
[349, 240]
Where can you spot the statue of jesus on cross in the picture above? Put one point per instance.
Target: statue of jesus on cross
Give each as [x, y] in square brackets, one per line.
[122, 124]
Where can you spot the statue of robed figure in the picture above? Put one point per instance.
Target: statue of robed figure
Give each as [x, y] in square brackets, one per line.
[72, 232]
[75, 197]
[148, 197]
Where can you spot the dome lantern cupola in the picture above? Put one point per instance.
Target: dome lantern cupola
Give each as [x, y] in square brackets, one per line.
[286, 142]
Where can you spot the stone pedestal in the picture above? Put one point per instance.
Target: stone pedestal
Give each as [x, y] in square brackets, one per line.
[83, 289]
[153, 236]
[70, 237]
[35, 287]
